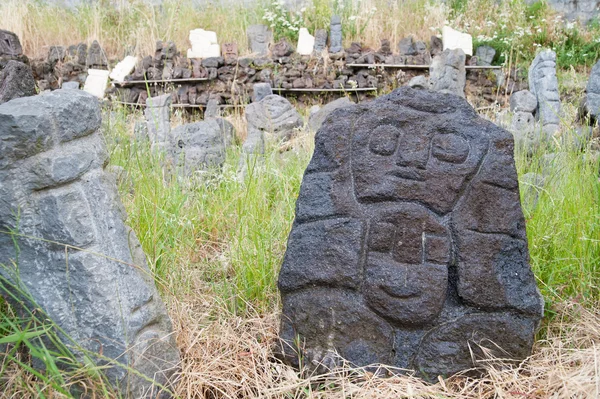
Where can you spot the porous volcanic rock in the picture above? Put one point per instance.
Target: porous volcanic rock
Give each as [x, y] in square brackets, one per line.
[202, 145]
[273, 115]
[409, 245]
[16, 80]
[316, 119]
[447, 72]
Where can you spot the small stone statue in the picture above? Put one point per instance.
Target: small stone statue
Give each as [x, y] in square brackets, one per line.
[335, 35]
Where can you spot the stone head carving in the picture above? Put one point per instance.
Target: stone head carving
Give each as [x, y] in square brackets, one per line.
[230, 50]
[406, 272]
[419, 158]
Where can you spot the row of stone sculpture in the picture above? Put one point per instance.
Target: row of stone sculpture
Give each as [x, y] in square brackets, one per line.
[376, 276]
[277, 64]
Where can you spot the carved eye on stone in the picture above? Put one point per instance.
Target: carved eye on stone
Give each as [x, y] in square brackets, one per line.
[450, 148]
[384, 139]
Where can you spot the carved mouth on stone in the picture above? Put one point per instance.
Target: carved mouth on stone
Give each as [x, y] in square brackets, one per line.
[406, 174]
[400, 292]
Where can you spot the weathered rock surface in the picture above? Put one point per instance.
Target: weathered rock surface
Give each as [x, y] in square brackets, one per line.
[419, 82]
[16, 80]
[10, 45]
[158, 118]
[412, 52]
[523, 101]
[81, 264]
[320, 41]
[485, 55]
[437, 46]
[544, 86]
[259, 38]
[447, 72]
[273, 115]
[70, 85]
[590, 106]
[316, 120]
[282, 49]
[260, 91]
[335, 35]
[409, 244]
[202, 145]
[10, 49]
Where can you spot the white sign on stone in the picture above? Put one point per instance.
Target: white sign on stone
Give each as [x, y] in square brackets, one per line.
[123, 69]
[204, 44]
[454, 39]
[306, 42]
[96, 82]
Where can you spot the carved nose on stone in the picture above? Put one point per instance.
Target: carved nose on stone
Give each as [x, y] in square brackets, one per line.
[413, 159]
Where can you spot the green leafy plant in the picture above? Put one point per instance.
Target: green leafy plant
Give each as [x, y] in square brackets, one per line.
[285, 24]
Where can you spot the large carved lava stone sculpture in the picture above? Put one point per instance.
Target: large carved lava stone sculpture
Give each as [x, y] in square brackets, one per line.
[409, 245]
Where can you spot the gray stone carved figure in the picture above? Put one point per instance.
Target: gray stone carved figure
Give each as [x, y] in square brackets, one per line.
[447, 72]
[335, 35]
[485, 55]
[70, 248]
[590, 106]
[96, 57]
[158, 118]
[259, 38]
[320, 41]
[201, 145]
[543, 83]
[409, 245]
[10, 49]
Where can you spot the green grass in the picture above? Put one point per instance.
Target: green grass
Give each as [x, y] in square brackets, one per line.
[223, 238]
[228, 232]
[563, 228]
[39, 359]
[231, 234]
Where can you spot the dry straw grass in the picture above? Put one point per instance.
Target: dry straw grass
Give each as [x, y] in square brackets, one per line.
[228, 356]
[132, 25]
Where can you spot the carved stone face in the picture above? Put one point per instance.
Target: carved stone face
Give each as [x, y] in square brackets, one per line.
[230, 50]
[406, 274]
[260, 37]
[414, 162]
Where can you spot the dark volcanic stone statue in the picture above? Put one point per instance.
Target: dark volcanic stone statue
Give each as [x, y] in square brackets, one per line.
[409, 245]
